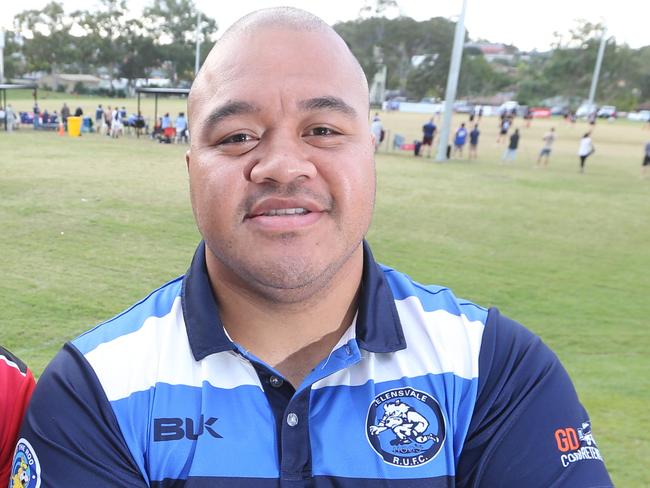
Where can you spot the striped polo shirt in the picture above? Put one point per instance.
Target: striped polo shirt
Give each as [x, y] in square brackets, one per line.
[423, 390]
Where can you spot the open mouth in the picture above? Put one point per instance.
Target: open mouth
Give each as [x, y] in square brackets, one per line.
[284, 211]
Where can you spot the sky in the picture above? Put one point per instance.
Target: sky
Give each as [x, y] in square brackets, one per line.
[528, 24]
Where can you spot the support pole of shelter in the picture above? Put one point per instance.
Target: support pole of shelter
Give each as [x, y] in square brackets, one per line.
[452, 84]
[599, 62]
[155, 110]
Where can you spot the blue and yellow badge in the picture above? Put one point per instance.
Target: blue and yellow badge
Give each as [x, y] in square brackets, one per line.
[405, 427]
[25, 470]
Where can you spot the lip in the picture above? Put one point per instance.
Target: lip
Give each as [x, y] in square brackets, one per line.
[284, 223]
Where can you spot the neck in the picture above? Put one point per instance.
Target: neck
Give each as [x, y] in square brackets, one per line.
[293, 337]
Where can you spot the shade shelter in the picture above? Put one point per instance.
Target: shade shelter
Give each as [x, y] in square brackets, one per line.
[157, 92]
[13, 86]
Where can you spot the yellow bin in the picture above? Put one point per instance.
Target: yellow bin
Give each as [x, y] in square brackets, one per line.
[74, 126]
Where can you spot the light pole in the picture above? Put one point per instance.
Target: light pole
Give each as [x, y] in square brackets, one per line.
[599, 62]
[452, 84]
[197, 54]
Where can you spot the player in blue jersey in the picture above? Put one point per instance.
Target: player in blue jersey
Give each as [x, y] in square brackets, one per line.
[286, 356]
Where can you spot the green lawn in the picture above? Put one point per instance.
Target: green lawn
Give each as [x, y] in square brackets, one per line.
[90, 225]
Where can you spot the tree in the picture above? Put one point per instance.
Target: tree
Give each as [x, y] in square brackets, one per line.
[172, 23]
[48, 44]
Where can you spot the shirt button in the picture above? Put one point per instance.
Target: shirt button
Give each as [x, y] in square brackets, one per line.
[292, 420]
[276, 382]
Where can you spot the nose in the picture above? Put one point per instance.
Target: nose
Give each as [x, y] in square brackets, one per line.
[282, 159]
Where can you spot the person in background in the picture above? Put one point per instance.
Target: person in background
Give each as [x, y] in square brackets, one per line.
[545, 153]
[459, 140]
[645, 165]
[10, 115]
[16, 385]
[511, 152]
[377, 130]
[585, 150]
[428, 135]
[473, 142]
[65, 113]
[37, 116]
[99, 117]
[181, 128]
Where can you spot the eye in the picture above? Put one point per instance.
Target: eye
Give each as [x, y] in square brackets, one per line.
[237, 139]
[322, 131]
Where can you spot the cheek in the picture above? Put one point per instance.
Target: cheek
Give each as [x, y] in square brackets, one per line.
[213, 190]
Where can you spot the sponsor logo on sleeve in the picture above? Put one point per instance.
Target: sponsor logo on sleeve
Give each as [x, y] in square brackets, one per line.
[405, 427]
[25, 470]
[576, 444]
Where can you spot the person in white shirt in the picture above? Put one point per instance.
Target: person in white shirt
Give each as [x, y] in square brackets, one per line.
[586, 149]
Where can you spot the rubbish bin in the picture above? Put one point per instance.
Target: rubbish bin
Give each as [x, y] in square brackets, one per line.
[74, 126]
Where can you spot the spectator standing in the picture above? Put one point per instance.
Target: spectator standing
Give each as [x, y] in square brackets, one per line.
[99, 116]
[37, 116]
[116, 124]
[377, 129]
[511, 153]
[473, 142]
[645, 166]
[544, 154]
[11, 118]
[181, 128]
[585, 150]
[108, 120]
[65, 113]
[428, 134]
[459, 140]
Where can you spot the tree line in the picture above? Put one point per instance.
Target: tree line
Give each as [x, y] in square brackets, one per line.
[113, 41]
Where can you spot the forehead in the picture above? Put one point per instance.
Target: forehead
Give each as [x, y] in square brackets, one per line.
[271, 63]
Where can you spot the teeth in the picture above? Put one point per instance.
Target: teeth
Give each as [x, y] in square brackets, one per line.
[286, 211]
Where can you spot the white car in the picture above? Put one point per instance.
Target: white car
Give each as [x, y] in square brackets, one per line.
[607, 111]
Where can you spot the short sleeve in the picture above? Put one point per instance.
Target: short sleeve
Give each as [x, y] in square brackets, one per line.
[70, 436]
[528, 427]
[16, 386]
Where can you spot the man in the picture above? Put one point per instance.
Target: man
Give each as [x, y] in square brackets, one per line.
[428, 134]
[16, 385]
[545, 153]
[473, 142]
[377, 130]
[645, 164]
[287, 356]
[511, 152]
[99, 117]
[459, 140]
[181, 127]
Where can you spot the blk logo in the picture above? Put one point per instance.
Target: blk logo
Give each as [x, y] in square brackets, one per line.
[174, 429]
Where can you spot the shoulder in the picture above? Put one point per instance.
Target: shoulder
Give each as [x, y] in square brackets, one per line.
[158, 304]
[431, 298]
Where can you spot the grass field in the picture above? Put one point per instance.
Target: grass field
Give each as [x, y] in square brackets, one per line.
[90, 225]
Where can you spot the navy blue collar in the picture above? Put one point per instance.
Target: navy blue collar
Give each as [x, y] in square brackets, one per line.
[378, 328]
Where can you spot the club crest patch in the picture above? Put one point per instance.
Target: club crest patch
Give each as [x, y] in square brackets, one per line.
[25, 470]
[405, 427]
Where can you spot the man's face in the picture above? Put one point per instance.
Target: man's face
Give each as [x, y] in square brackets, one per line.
[281, 161]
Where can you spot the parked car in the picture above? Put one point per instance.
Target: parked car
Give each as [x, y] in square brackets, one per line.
[607, 111]
[586, 109]
[559, 110]
[641, 116]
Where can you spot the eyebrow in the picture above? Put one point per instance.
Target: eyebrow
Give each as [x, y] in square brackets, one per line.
[334, 104]
[228, 110]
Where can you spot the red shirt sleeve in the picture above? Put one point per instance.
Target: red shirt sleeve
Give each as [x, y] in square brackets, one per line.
[16, 386]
